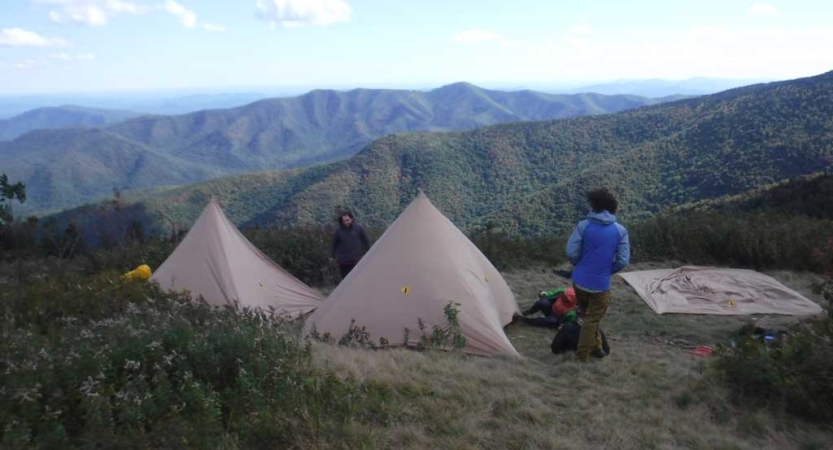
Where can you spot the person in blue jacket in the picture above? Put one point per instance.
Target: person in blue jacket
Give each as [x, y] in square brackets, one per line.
[598, 248]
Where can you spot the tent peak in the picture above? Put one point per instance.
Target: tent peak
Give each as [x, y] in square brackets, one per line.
[217, 262]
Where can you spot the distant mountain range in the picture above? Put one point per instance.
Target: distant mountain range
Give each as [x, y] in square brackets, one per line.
[530, 178]
[67, 116]
[140, 102]
[662, 88]
[172, 102]
[67, 167]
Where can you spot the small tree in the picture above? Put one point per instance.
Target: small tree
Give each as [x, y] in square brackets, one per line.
[9, 192]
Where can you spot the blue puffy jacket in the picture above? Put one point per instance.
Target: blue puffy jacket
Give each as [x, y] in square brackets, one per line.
[598, 248]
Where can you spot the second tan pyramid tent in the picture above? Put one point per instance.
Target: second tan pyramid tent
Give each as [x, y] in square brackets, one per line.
[217, 262]
[420, 264]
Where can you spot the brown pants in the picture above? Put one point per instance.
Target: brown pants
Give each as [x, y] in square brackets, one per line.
[594, 306]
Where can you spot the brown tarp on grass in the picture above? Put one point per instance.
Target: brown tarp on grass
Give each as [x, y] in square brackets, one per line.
[412, 272]
[710, 290]
[217, 262]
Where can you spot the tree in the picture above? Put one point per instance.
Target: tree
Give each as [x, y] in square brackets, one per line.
[9, 192]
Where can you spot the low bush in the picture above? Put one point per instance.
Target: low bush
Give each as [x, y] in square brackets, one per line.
[756, 240]
[99, 362]
[515, 252]
[794, 374]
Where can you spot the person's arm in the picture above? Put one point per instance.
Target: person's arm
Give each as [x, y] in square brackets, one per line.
[623, 251]
[574, 244]
[364, 239]
[553, 293]
[334, 246]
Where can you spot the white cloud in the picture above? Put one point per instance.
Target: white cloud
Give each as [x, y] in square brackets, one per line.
[709, 32]
[214, 28]
[67, 57]
[298, 13]
[90, 12]
[118, 6]
[16, 37]
[761, 9]
[187, 17]
[100, 12]
[575, 42]
[43, 61]
[582, 29]
[30, 63]
[477, 37]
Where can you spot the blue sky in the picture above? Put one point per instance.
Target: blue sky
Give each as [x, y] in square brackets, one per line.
[105, 45]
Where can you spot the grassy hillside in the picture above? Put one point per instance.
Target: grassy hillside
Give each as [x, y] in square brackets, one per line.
[317, 127]
[529, 178]
[649, 393]
[59, 117]
[96, 361]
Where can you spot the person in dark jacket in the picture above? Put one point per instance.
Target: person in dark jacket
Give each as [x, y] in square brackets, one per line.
[598, 248]
[544, 306]
[350, 243]
[554, 305]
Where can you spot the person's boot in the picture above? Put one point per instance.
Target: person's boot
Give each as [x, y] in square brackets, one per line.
[598, 353]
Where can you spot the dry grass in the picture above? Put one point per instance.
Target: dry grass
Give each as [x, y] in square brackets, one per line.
[646, 395]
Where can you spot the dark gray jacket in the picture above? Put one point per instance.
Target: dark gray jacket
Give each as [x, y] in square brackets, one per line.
[349, 244]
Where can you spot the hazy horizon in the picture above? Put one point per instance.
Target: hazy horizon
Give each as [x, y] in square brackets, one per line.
[302, 89]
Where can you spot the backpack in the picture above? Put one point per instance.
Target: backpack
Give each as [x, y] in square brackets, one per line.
[564, 303]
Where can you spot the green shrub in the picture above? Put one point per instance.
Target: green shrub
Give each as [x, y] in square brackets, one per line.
[98, 362]
[449, 337]
[128, 257]
[757, 240]
[303, 252]
[795, 375]
[515, 252]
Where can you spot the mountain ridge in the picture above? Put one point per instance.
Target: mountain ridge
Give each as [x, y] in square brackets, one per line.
[65, 116]
[314, 128]
[529, 178]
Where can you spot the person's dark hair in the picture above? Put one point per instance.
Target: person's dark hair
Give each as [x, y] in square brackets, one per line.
[344, 213]
[602, 200]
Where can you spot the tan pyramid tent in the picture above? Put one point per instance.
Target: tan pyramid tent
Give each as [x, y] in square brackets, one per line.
[421, 263]
[710, 290]
[217, 262]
